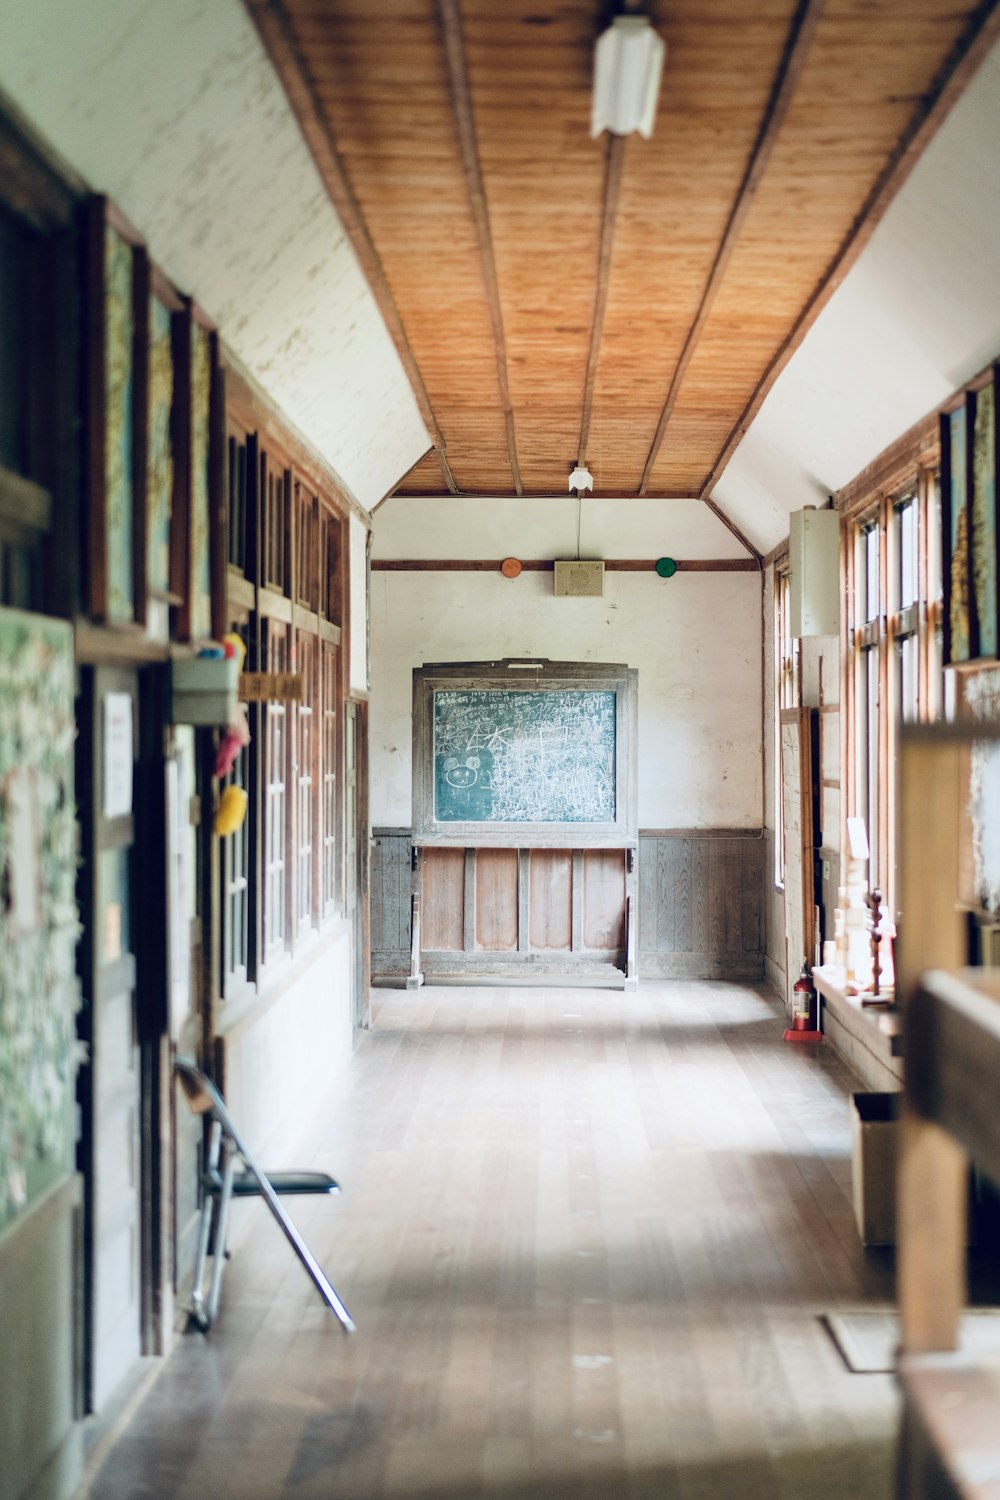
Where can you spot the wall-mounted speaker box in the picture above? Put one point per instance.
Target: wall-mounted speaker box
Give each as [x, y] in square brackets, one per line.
[814, 572]
[579, 580]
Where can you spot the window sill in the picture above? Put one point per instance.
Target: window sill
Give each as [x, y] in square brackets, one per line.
[878, 1030]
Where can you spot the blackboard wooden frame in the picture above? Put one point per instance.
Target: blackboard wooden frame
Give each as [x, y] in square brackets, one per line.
[530, 674]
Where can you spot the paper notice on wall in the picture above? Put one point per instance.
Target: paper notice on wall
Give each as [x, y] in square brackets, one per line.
[117, 755]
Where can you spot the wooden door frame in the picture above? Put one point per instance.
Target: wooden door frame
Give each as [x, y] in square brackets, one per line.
[148, 685]
[361, 916]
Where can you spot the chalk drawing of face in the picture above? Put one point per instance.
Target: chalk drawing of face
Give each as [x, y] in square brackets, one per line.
[462, 773]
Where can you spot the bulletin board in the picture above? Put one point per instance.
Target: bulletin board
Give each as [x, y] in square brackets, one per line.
[38, 914]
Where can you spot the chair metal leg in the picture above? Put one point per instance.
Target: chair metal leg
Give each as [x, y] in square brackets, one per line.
[221, 1233]
[198, 1313]
[311, 1266]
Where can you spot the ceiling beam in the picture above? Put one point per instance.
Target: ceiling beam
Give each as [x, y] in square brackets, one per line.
[731, 526]
[793, 59]
[978, 36]
[541, 565]
[458, 77]
[275, 31]
[402, 494]
[402, 480]
[612, 186]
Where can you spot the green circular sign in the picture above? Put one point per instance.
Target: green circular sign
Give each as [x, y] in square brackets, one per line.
[666, 567]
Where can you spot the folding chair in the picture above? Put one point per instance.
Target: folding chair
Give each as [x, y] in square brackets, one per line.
[222, 1182]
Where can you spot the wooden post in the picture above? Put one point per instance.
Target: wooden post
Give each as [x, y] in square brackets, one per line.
[631, 968]
[415, 978]
[933, 1170]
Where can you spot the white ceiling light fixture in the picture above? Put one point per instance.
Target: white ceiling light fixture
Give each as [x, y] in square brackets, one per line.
[628, 61]
[581, 479]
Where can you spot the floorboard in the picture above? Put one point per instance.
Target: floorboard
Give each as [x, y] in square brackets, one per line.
[586, 1238]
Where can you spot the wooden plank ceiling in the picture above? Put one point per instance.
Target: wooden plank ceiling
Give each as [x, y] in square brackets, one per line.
[620, 301]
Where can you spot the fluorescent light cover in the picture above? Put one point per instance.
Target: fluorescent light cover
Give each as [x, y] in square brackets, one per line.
[628, 61]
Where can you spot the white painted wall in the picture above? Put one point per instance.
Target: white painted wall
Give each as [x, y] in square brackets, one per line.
[916, 317]
[695, 640]
[283, 1060]
[446, 527]
[174, 111]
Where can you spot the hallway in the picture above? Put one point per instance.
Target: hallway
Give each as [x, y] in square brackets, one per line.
[585, 1236]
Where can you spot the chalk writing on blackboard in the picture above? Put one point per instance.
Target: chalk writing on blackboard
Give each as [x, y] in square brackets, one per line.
[524, 757]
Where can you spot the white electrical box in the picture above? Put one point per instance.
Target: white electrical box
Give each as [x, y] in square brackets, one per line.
[814, 572]
[579, 580]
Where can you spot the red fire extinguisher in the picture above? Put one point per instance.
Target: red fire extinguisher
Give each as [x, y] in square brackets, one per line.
[803, 1002]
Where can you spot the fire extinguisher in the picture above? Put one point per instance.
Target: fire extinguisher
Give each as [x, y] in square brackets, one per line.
[803, 1002]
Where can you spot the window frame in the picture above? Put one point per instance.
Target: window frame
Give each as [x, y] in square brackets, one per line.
[285, 594]
[908, 607]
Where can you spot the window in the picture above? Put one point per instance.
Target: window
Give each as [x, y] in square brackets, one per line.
[275, 798]
[306, 812]
[236, 890]
[236, 531]
[786, 695]
[894, 618]
[282, 873]
[274, 527]
[867, 682]
[236, 932]
[331, 714]
[905, 625]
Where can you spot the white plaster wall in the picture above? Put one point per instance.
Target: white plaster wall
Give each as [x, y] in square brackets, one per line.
[695, 640]
[446, 527]
[283, 1062]
[172, 108]
[917, 316]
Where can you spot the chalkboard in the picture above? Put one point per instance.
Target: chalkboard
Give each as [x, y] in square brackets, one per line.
[524, 753]
[524, 757]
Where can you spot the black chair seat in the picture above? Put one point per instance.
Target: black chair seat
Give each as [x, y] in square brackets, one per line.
[285, 1184]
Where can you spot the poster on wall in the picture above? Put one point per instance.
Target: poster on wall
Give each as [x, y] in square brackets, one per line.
[983, 511]
[159, 467]
[955, 526]
[38, 914]
[118, 755]
[970, 527]
[119, 423]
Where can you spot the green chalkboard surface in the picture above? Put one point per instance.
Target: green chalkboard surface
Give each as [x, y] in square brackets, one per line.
[516, 756]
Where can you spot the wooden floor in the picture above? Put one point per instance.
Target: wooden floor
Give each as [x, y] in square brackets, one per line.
[586, 1238]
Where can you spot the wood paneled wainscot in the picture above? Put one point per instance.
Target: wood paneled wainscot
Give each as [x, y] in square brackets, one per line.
[700, 903]
[509, 912]
[699, 895]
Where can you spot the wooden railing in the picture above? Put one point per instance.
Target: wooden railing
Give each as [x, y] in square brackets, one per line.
[950, 1443]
